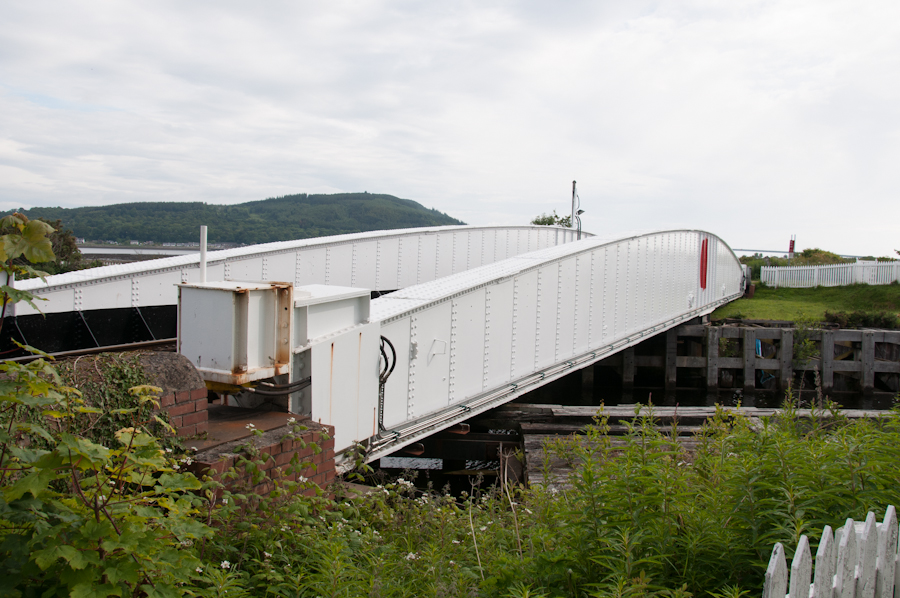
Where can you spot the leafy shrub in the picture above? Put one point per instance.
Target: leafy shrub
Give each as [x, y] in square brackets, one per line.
[77, 517]
[860, 319]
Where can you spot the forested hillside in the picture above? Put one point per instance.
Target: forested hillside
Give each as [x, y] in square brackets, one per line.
[276, 219]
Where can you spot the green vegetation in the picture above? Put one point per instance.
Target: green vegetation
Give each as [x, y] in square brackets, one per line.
[66, 255]
[23, 242]
[552, 220]
[294, 217]
[120, 518]
[798, 304]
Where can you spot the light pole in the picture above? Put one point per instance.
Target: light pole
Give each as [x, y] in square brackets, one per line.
[578, 218]
[572, 217]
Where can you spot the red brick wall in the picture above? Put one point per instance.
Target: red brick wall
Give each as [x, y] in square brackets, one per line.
[187, 411]
[277, 466]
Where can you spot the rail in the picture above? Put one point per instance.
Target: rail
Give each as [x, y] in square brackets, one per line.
[834, 275]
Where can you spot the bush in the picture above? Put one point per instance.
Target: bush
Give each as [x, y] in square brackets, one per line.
[860, 319]
[640, 515]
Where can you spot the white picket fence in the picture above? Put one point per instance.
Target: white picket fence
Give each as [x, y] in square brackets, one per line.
[860, 560]
[835, 275]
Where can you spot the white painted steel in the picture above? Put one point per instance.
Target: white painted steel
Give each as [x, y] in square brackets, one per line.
[235, 332]
[474, 340]
[858, 561]
[379, 260]
[835, 275]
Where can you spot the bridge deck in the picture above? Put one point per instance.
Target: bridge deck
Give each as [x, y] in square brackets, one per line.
[482, 314]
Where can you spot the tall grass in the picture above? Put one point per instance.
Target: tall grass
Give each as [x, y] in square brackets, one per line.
[643, 518]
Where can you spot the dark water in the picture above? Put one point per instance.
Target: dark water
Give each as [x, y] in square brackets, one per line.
[690, 392]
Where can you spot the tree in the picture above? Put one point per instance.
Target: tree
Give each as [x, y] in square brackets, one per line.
[66, 255]
[22, 242]
[553, 220]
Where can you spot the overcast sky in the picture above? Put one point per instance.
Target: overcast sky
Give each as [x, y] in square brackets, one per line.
[754, 120]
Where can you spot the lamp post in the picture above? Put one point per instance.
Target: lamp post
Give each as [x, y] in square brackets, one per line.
[572, 217]
[578, 218]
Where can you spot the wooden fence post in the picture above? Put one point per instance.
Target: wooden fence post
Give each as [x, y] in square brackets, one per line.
[801, 570]
[712, 360]
[749, 365]
[826, 558]
[628, 374]
[671, 359]
[868, 553]
[787, 358]
[868, 362]
[844, 582]
[887, 555]
[827, 360]
[776, 574]
[859, 560]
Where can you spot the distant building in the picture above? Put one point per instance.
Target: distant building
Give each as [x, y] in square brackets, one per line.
[79, 240]
[134, 242]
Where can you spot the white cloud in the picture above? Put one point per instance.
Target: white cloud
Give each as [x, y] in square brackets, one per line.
[752, 119]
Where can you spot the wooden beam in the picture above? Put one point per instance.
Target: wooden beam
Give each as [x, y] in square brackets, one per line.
[712, 359]
[671, 359]
[749, 363]
[627, 373]
[826, 360]
[868, 360]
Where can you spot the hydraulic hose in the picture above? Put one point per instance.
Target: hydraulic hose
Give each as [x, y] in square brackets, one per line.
[279, 390]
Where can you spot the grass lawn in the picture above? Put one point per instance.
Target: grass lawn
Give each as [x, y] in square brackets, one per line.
[791, 304]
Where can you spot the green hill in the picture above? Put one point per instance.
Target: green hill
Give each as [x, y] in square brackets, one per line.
[277, 219]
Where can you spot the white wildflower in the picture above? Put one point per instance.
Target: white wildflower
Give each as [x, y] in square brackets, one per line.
[194, 448]
[292, 420]
[302, 479]
[412, 556]
[225, 565]
[284, 528]
[483, 527]
[102, 498]
[456, 541]
[224, 501]
[199, 569]
[267, 555]
[529, 511]
[187, 460]
[250, 426]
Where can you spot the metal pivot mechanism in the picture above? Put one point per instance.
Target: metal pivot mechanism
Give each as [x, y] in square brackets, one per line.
[386, 371]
